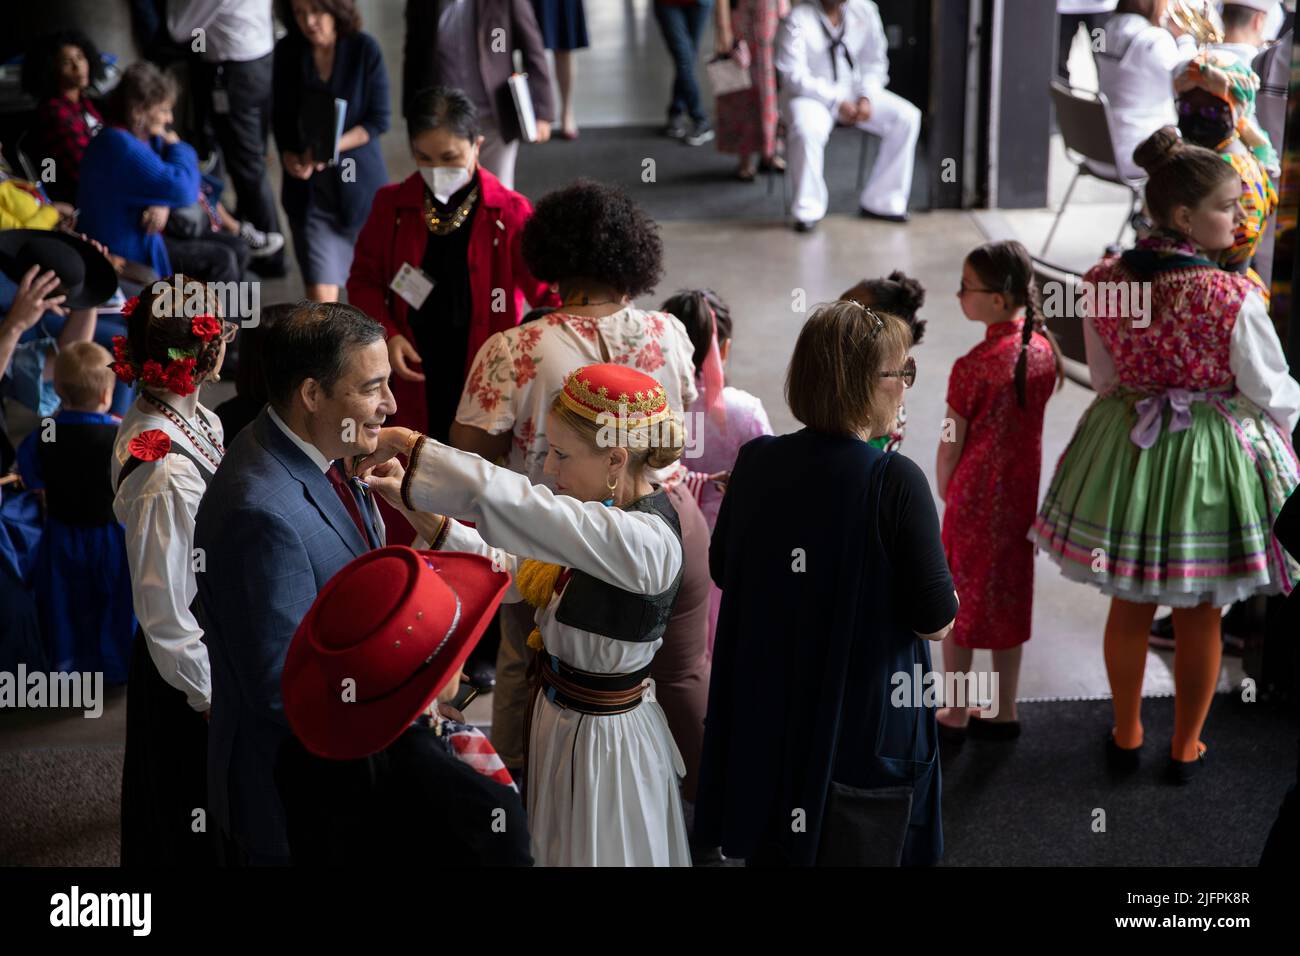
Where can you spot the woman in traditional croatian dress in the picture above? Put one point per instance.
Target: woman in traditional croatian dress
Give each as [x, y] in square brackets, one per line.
[167, 450]
[1169, 487]
[602, 767]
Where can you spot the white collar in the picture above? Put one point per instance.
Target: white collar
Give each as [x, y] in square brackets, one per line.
[308, 449]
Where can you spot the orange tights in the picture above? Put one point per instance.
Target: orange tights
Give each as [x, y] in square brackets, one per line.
[1198, 650]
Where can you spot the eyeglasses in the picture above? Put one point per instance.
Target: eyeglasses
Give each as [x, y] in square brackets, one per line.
[962, 290]
[228, 330]
[907, 373]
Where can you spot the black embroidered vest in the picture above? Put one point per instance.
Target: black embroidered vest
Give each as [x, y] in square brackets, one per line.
[591, 604]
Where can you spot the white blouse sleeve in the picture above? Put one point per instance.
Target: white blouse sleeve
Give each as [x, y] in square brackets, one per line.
[1168, 55]
[158, 504]
[1101, 364]
[632, 550]
[461, 537]
[1259, 364]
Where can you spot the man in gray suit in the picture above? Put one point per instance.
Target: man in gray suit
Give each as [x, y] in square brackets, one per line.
[278, 520]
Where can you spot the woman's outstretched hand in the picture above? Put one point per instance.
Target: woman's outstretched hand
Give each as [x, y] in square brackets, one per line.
[393, 441]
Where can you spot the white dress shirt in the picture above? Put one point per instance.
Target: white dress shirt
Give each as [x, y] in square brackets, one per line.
[234, 30]
[803, 54]
[157, 504]
[311, 451]
[1135, 71]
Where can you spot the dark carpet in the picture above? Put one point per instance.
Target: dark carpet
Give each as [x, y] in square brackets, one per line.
[691, 182]
[60, 806]
[1033, 801]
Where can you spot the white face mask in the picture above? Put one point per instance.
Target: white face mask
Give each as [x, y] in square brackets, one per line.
[444, 181]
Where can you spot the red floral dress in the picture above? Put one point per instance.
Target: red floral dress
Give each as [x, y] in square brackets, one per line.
[747, 119]
[993, 492]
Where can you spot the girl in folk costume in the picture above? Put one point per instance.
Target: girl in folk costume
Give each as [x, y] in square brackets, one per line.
[1169, 487]
[603, 769]
[168, 447]
[901, 295]
[988, 471]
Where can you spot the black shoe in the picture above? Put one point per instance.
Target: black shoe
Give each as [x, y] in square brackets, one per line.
[868, 214]
[1181, 772]
[994, 729]
[482, 675]
[1121, 759]
[801, 226]
[952, 735]
[676, 128]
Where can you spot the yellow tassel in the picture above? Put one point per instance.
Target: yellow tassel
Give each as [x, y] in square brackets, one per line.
[535, 639]
[536, 582]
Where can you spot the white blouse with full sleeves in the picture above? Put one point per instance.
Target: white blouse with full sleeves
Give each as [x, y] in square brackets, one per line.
[157, 504]
[602, 791]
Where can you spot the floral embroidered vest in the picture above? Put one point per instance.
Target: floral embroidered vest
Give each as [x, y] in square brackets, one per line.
[1165, 315]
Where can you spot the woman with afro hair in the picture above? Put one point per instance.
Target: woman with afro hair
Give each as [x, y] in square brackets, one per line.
[600, 250]
[59, 70]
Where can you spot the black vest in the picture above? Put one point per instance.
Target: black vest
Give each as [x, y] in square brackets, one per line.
[591, 604]
[75, 468]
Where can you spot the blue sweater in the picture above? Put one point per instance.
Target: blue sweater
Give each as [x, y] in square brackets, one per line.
[120, 176]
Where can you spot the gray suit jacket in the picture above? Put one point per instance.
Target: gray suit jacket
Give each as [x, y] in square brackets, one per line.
[272, 531]
[519, 25]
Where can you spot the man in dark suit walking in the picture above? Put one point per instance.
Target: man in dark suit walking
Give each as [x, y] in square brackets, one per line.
[278, 520]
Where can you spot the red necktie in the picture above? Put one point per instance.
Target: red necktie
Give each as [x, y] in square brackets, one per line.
[340, 484]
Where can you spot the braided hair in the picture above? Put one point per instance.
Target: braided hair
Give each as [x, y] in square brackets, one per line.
[1007, 267]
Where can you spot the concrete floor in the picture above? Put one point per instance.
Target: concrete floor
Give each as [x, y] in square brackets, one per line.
[757, 268]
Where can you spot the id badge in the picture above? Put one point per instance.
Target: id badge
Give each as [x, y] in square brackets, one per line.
[220, 102]
[412, 284]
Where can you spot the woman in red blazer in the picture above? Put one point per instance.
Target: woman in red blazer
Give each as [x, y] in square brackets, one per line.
[452, 224]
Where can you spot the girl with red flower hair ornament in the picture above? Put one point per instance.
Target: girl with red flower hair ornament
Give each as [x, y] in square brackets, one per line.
[168, 448]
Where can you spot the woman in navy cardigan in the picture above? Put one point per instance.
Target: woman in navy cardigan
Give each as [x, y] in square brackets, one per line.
[136, 169]
[326, 54]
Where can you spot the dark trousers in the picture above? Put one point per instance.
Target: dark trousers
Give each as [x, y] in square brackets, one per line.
[682, 27]
[1067, 28]
[216, 257]
[242, 132]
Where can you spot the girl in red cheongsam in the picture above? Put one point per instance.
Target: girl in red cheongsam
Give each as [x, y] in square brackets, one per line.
[989, 458]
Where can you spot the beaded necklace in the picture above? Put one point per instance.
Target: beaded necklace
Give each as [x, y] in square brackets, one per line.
[443, 227]
[179, 420]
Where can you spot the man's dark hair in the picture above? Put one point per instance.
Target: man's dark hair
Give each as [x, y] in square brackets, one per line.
[440, 107]
[1237, 17]
[314, 340]
[589, 230]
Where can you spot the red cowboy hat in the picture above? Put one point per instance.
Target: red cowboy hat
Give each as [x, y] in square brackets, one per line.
[382, 638]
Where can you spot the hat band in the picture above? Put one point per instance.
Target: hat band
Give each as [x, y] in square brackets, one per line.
[427, 661]
[594, 415]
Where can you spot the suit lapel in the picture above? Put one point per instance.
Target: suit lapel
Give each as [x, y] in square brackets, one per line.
[317, 487]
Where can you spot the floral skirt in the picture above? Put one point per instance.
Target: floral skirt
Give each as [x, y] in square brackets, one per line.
[1183, 522]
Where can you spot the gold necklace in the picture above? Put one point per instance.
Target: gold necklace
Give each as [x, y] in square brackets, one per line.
[442, 227]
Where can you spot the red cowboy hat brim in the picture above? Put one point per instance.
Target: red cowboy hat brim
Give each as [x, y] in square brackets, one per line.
[328, 725]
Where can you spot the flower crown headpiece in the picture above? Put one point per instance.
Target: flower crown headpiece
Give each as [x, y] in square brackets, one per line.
[177, 375]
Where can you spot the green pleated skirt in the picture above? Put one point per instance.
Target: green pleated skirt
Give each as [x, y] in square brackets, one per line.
[1187, 521]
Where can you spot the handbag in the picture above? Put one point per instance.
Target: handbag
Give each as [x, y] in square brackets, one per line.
[730, 73]
[864, 827]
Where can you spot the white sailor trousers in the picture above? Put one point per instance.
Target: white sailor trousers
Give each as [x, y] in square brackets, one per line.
[808, 126]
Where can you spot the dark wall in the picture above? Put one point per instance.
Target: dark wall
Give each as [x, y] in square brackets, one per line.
[1026, 69]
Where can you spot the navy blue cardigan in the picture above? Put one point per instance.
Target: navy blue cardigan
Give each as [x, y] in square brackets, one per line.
[358, 77]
